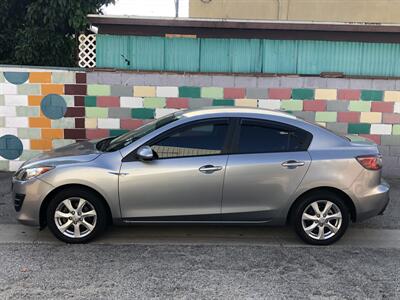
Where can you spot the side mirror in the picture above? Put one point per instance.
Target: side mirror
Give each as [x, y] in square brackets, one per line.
[145, 153]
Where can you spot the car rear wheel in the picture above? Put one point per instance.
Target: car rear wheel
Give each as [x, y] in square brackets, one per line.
[321, 218]
[76, 216]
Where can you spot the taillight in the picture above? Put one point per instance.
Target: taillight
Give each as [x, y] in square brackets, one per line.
[370, 162]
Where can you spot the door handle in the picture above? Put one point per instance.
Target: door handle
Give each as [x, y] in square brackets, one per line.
[292, 164]
[207, 169]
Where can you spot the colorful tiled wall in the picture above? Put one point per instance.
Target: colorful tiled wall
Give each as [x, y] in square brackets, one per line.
[44, 109]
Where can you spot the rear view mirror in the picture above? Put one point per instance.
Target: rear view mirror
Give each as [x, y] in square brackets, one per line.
[145, 153]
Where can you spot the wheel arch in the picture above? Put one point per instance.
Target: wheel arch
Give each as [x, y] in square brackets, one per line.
[349, 202]
[49, 196]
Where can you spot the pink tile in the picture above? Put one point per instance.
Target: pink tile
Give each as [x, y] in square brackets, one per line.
[279, 93]
[131, 123]
[347, 94]
[97, 133]
[177, 102]
[391, 118]
[373, 137]
[385, 107]
[234, 93]
[314, 105]
[349, 117]
[108, 101]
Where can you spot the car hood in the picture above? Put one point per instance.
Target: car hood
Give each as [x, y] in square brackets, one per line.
[74, 153]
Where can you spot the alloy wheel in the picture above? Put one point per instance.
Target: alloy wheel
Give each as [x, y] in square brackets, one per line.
[321, 219]
[75, 217]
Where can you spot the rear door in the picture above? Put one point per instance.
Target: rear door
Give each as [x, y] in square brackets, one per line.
[269, 161]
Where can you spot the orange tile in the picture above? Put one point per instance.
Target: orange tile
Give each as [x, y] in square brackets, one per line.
[52, 133]
[34, 100]
[41, 144]
[52, 89]
[39, 122]
[40, 77]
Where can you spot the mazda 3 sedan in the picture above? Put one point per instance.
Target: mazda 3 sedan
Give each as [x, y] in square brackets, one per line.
[213, 165]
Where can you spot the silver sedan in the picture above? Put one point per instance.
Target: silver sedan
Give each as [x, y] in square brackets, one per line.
[213, 165]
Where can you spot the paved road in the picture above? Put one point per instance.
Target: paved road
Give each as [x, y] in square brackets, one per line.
[208, 262]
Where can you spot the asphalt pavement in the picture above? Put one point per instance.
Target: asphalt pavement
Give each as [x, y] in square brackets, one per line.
[200, 262]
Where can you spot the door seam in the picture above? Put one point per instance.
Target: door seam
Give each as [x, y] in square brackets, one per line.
[223, 184]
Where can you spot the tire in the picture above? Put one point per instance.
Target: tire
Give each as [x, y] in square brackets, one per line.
[64, 213]
[306, 216]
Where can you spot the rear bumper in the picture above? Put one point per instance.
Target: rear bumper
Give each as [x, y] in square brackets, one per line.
[28, 197]
[374, 202]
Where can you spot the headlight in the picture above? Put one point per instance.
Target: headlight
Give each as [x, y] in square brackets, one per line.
[26, 174]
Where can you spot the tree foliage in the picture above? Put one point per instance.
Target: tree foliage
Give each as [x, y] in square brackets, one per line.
[43, 32]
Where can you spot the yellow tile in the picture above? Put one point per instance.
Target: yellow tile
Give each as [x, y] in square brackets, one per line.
[371, 117]
[325, 94]
[246, 102]
[144, 91]
[392, 96]
[39, 77]
[321, 123]
[90, 123]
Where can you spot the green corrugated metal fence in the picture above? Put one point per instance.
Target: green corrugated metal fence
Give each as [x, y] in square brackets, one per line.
[247, 55]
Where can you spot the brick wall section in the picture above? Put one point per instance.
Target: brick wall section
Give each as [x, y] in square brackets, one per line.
[100, 104]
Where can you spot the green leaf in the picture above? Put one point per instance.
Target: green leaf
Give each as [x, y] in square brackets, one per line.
[42, 32]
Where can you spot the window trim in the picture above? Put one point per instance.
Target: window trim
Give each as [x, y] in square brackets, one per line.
[226, 149]
[268, 124]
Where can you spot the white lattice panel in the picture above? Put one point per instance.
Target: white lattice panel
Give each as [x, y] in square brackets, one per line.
[87, 50]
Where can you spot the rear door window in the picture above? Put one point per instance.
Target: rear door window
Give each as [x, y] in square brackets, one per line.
[257, 136]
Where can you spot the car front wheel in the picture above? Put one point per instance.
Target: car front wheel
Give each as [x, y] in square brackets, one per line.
[76, 216]
[321, 219]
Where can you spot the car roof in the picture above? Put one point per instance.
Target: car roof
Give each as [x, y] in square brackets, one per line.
[232, 110]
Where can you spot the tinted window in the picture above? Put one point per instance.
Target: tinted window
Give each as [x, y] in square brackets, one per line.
[260, 137]
[197, 140]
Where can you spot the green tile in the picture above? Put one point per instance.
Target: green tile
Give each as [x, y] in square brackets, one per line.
[69, 100]
[372, 95]
[115, 132]
[303, 94]
[189, 91]
[63, 77]
[223, 102]
[29, 133]
[154, 102]
[4, 165]
[63, 123]
[357, 128]
[29, 89]
[325, 116]
[292, 105]
[396, 129]
[96, 112]
[98, 90]
[90, 101]
[143, 113]
[27, 111]
[359, 106]
[212, 92]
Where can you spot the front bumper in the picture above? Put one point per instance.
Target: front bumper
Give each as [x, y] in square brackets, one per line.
[28, 197]
[374, 202]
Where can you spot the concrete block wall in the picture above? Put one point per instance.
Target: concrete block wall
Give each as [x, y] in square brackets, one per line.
[44, 109]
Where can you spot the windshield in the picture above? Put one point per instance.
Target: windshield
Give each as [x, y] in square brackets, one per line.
[125, 139]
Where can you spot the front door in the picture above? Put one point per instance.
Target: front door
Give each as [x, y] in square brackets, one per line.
[184, 181]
